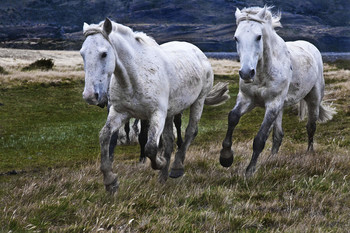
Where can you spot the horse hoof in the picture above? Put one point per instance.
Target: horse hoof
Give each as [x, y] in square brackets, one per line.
[226, 157]
[158, 163]
[113, 187]
[176, 173]
[142, 160]
[249, 172]
[162, 178]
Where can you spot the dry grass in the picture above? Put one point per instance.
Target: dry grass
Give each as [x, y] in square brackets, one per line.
[225, 67]
[293, 192]
[68, 67]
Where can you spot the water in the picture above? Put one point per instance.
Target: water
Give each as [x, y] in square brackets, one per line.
[326, 56]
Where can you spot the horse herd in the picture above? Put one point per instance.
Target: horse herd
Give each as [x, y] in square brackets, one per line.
[138, 78]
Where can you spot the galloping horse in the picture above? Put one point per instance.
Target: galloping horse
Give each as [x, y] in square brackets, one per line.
[273, 74]
[150, 82]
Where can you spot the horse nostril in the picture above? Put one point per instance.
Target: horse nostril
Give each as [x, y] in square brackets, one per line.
[252, 73]
[241, 74]
[96, 96]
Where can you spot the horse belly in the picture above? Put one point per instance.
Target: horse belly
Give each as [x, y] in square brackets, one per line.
[182, 101]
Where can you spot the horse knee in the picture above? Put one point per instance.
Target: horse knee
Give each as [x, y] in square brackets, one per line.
[104, 135]
[233, 117]
[151, 150]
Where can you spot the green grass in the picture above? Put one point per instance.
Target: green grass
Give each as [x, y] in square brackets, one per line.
[50, 134]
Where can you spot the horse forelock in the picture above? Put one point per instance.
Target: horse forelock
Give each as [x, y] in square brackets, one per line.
[124, 30]
[251, 14]
[95, 30]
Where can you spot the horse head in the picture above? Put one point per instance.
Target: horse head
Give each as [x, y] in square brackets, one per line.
[248, 37]
[252, 24]
[99, 62]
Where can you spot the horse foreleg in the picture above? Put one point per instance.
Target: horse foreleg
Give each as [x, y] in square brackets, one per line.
[178, 122]
[260, 139]
[143, 139]
[113, 123]
[277, 134]
[156, 127]
[242, 106]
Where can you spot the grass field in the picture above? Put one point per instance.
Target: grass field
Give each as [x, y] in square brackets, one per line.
[49, 163]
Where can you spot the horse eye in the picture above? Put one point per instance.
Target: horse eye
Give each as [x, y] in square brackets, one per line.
[258, 38]
[104, 54]
[235, 38]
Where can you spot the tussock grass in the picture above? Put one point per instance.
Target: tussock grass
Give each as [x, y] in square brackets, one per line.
[41, 64]
[3, 71]
[49, 136]
[290, 192]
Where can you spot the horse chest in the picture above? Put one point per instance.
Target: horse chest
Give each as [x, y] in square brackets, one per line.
[260, 93]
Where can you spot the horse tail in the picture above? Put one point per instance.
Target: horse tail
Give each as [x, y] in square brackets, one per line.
[218, 94]
[326, 112]
[302, 110]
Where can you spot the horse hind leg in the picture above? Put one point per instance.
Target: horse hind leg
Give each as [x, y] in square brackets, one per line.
[313, 112]
[127, 132]
[196, 109]
[178, 123]
[313, 100]
[156, 127]
[168, 146]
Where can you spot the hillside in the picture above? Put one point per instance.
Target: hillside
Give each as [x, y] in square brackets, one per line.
[210, 24]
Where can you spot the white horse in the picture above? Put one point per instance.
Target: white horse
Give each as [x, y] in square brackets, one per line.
[273, 74]
[150, 82]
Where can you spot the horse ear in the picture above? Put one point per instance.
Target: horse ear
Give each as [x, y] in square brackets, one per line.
[262, 12]
[107, 26]
[237, 13]
[85, 27]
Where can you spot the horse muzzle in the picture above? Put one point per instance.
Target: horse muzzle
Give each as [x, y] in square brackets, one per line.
[247, 75]
[95, 99]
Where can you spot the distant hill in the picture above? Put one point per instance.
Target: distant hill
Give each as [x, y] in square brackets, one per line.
[210, 24]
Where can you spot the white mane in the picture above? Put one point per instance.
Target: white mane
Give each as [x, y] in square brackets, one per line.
[118, 28]
[252, 14]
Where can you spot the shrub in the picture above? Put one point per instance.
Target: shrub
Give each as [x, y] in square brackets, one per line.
[41, 64]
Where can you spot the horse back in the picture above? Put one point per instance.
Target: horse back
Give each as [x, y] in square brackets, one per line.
[192, 77]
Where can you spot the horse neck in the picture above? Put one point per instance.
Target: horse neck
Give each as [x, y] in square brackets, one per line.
[126, 68]
[274, 47]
